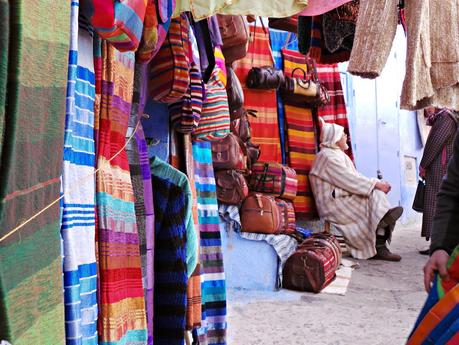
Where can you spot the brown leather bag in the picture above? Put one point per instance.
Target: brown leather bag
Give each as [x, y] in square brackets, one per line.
[235, 36]
[240, 126]
[260, 214]
[229, 153]
[288, 214]
[253, 153]
[234, 91]
[232, 187]
[289, 24]
[313, 265]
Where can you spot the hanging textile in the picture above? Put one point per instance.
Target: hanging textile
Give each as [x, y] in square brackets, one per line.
[265, 127]
[302, 142]
[139, 166]
[121, 299]
[173, 261]
[32, 118]
[335, 111]
[194, 297]
[156, 129]
[213, 328]
[78, 186]
[438, 321]
[279, 40]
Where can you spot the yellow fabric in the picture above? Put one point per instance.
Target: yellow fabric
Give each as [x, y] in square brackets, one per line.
[266, 8]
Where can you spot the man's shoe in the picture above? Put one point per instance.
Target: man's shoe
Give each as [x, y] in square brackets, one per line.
[383, 253]
[391, 216]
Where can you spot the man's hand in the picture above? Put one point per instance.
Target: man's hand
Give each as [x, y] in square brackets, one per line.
[422, 172]
[437, 262]
[383, 186]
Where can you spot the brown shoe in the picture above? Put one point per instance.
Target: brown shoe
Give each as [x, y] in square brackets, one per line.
[391, 216]
[383, 253]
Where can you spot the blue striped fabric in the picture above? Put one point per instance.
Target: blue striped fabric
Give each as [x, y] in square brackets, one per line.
[213, 285]
[78, 206]
[278, 40]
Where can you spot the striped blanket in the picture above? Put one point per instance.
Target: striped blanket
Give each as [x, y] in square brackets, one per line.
[335, 111]
[139, 166]
[302, 141]
[78, 205]
[32, 113]
[265, 127]
[122, 312]
[438, 322]
[213, 327]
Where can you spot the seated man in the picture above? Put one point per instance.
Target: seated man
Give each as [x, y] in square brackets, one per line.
[355, 204]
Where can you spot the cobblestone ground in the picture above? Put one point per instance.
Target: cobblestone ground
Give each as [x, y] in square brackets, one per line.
[380, 307]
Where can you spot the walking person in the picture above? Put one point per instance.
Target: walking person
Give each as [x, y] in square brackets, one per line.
[437, 153]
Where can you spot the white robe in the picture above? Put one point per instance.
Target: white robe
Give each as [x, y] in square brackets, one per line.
[347, 199]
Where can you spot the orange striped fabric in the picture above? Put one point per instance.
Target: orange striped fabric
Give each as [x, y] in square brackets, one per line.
[301, 141]
[265, 127]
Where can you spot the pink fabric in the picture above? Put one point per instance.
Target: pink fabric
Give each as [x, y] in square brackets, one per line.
[317, 7]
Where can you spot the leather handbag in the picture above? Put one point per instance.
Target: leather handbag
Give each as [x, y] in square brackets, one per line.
[288, 213]
[234, 91]
[418, 202]
[289, 24]
[186, 113]
[169, 76]
[274, 178]
[229, 153]
[235, 36]
[260, 214]
[253, 153]
[265, 78]
[241, 125]
[232, 187]
[313, 265]
[215, 119]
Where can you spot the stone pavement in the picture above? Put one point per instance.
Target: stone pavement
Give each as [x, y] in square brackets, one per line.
[380, 307]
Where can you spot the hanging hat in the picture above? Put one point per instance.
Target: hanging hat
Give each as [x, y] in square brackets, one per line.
[330, 134]
[318, 7]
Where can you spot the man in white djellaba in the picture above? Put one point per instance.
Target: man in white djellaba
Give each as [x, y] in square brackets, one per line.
[357, 205]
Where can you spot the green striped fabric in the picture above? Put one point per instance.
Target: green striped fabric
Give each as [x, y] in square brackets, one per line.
[32, 114]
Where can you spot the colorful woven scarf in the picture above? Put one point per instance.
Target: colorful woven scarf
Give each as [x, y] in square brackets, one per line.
[302, 141]
[121, 298]
[438, 322]
[34, 70]
[213, 287]
[78, 186]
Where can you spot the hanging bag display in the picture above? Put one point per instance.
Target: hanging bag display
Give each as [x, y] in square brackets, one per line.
[313, 265]
[215, 119]
[169, 76]
[418, 202]
[260, 214]
[274, 178]
[240, 125]
[235, 36]
[186, 113]
[229, 153]
[232, 187]
[234, 91]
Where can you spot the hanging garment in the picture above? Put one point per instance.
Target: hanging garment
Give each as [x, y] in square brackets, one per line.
[175, 251]
[265, 127]
[156, 129]
[213, 328]
[279, 40]
[438, 321]
[334, 111]
[194, 296]
[205, 8]
[432, 62]
[32, 125]
[78, 186]
[122, 314]
[139, 166]
[301, 141]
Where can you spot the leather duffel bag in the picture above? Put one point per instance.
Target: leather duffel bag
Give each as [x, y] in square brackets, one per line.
[274, 178]
[288, 214]
[265, 78]
[229, 153]
[261, 214]
[313, 265]
[231, 187]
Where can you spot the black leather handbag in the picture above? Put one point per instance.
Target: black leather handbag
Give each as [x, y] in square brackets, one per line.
[265, 78]
[418, 202]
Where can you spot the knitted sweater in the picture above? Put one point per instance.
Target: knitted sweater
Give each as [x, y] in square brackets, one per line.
[175, 251]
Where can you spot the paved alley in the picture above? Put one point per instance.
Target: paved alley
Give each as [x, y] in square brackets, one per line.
[380, 307]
